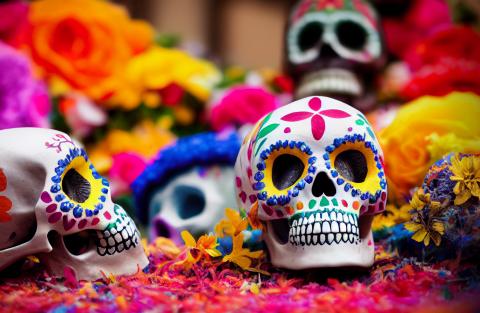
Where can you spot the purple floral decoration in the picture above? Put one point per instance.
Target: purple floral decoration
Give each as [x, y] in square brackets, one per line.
[24, 101]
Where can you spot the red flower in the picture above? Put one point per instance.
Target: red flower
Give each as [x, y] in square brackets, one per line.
[317, 121]
[171, 95]
[449, 61]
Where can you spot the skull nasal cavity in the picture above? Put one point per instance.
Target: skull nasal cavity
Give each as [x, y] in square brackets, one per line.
[189, 200]
[75, 186]
[323, 185]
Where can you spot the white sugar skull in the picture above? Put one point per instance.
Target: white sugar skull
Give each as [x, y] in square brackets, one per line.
[334, 48]
[193, 201]
[59, 208]
[312, 172]
[188, 185]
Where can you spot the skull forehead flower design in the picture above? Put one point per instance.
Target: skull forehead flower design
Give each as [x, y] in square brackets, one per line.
[313, 170]
[61, 209]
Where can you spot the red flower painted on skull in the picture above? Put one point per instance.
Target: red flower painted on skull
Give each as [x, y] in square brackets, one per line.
[5, 203]
[317, 121]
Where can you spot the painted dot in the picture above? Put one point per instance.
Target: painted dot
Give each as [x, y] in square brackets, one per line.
[107, 215]
[384, 196]
[350, 129]
[287, 130]
[267, 209]
[334, 202]
[238, 181]
[324, 201]
[315, 103]
[289, 210]
[252, 198]
[95, 221]
[279, 213]
[356, 205]
[82, 224]
[46, 197]
[243, 196]
[369, 242]
[249, 172]
[299, 205]
[54, 217]
[344, 203]
[312, 203]
[359, 122]
[51, 208]
[68, 224]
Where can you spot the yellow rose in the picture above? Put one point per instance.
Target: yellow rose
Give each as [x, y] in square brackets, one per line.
[158, 67]
[405, 141]
[83, 44]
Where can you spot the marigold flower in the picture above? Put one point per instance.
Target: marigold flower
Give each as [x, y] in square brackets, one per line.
[466, 172]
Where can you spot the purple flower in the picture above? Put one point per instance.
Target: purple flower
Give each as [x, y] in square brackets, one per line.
[24, 101]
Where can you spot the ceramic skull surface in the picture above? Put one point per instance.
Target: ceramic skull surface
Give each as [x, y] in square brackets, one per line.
[312, 172]
[192, 201]
[334, 48]
[59, 208]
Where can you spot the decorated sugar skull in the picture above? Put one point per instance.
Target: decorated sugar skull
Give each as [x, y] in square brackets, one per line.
[188, 186]
[334, 48]
[55, 205]
[312, 172]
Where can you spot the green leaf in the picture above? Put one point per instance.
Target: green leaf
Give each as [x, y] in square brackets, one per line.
[260, 145]
[267, 130]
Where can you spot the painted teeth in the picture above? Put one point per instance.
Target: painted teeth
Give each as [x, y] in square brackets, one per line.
[330, 81]
[122, 236]
[325, 227]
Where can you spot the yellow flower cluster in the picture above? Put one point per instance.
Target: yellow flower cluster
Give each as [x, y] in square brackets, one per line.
[426, 224]
[145, 139]
[158, 67]
[206, 246]
[466, 172]
[412, 142]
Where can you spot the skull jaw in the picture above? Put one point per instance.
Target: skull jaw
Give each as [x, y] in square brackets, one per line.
[342, 254]
[90, 266]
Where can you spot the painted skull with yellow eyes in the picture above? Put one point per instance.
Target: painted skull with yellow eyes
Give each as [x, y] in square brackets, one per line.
[312, 173]
[60, 209]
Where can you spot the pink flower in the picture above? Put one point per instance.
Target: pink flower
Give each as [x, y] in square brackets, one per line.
[81, 114]
[125, 169]
[13, 19]
[24, 101]
[242, 105]
[317, 121]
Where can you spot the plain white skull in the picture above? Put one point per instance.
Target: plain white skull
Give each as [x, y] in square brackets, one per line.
[312, 172]
[193, 201]
[59, 208]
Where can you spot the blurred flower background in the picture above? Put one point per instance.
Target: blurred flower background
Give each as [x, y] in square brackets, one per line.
[127, 87]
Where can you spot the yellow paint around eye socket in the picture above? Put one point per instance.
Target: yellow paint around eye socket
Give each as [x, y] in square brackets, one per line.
[83, 168]
[269, 186]
[372, 181]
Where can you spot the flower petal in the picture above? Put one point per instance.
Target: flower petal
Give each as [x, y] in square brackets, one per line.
[188, 239]
[315, 103]
[318, 127]
[334, 113]
[296, 116]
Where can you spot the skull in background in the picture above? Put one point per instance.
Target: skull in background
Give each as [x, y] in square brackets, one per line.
[60, 209]
[188, 186]
[334, 48]
[312, 172]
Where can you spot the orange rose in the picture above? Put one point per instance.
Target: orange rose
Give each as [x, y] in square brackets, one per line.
[84, 43]
[407, 142]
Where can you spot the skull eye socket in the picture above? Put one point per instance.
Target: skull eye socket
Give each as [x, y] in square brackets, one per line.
[189, 200]
[351, 35]
[286, 170]
[75, 186]
[352, 165]
[310, 35]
